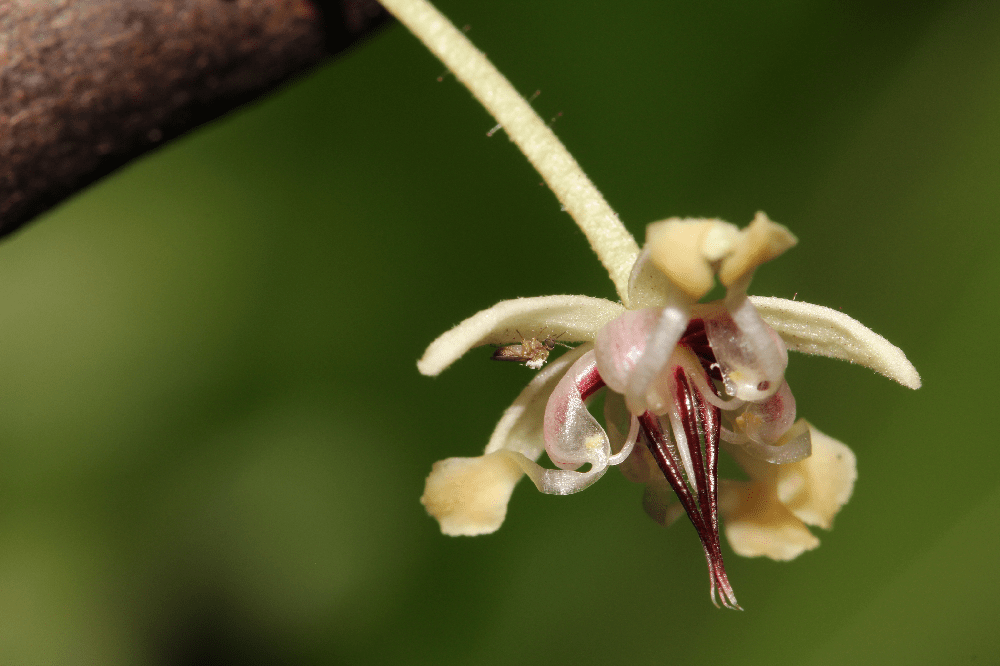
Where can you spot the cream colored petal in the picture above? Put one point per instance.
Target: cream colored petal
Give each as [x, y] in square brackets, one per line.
[814, 489]
[758, 524]
[761, 241]
[688, 251]
[814, 329]
[469, 496]
[568, 318]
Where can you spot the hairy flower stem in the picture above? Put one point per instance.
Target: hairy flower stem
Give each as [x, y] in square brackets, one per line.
[610, 240]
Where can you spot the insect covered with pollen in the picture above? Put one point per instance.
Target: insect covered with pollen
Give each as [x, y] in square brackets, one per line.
[530, 351]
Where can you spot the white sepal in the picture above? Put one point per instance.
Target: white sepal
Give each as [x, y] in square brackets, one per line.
[568, 318]
[814, 329]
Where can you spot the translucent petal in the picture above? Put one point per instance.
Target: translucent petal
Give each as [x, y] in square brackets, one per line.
[794, 445]
[765, 422]
[570, 318]
[660, 344]
[814, 329]
[573, 437]
[621, 343]
[752, 357]
[520, 427]
[758, 524]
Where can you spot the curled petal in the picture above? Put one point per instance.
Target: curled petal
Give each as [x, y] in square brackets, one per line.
[793, 446]
[814, 329]
[560, 481]
[660, 344]
[623, 431]
[765, 422]
[469, 496]
[751, 356]
[757, 523]
[570, 318]
[520, 427]
[573, 437]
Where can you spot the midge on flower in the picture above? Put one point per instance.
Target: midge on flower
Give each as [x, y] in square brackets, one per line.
[682, 379]
[530, 351]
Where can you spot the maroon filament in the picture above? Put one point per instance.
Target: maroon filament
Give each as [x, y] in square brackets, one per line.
[699, 495]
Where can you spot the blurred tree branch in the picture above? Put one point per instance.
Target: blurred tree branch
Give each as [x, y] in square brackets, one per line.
[87, 85]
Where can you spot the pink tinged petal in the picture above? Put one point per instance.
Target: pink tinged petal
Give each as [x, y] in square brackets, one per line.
[758, 524]
[520, 427]
[765, 422]
[814, 329]
[621, 343]
[570, 318]
[660, 344]
[469, 496]
[751, 356]
[573, 437]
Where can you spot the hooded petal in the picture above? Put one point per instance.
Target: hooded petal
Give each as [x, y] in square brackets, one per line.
[814, 329]
[570, 318]
[469, 496]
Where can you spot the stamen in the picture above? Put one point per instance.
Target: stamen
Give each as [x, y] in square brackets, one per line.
[701, 423]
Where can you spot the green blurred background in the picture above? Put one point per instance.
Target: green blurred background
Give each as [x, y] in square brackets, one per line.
[213, 434]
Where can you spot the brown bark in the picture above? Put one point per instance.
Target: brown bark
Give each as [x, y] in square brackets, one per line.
[87, 85]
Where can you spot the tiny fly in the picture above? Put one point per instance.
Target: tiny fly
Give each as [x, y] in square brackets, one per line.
[531, 351]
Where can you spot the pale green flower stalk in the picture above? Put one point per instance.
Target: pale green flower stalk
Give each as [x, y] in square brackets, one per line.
[609, 238]
[683, 379]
